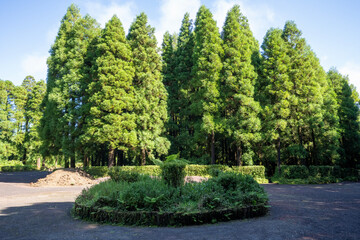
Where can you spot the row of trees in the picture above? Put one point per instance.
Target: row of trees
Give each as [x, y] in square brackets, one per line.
[20, 114]
[214, 97]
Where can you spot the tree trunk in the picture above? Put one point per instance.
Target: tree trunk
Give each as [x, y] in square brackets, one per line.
[301, 144]
[278, 155]
[24, 157]
[314, 153]
[66, 162]
[213, 147]
[38, 163]
[239, 156]
[86, 160]
[56, 160]
[143, 157]
[111, 157]
[72, 160]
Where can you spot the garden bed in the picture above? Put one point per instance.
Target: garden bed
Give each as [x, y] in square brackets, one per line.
[147, 201]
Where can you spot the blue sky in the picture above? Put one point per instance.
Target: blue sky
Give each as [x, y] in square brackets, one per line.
[28, 28]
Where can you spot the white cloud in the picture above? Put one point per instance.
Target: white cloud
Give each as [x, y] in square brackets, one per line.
[261, 17]
[34, 65]
[102, 13]
[172, 13]
[353, 71]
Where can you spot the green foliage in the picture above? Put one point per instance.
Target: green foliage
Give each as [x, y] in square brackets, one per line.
[227, 191]
[324, 171]
[118, 174]
[151, 96]
[240, 120]
[294, 171]
[204, 86]
[257, 172]
[97, 171]
[111, 98]
[173, 172]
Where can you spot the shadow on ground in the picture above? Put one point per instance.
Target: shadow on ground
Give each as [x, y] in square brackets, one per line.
[22, 177]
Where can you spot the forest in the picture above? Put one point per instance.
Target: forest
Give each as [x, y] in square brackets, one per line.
[213, 96]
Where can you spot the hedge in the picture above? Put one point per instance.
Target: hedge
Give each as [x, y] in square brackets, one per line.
[17, 168]
[293, 171]
[328, 173]
[257, 172]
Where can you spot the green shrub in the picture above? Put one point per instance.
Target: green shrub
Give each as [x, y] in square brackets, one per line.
[152, 170]
[97, 171]
[118, 174]
[204, 170]
[324, 171]
[293, 171]
[173, 172]
[254, 171]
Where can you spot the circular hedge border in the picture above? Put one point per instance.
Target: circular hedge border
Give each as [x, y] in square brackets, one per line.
[154, 218]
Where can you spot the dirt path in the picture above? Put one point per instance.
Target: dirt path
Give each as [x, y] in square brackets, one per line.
[298, 212]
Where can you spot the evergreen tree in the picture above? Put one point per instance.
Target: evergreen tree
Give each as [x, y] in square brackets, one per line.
[276, 88]
[63, 98]
[172, 87]
[7, 146]
[33, 113]
[151, 95]
[184, 142]
[239, 107]
[348, 113]
[111, 94]
[207, 65]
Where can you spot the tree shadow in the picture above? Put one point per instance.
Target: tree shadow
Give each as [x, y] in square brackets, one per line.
[22, 177]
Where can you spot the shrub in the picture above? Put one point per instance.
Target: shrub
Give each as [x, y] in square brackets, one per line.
[324, 171]
[204, 170]
[254, 171]
[173, 172]
[118, 174]
[97, 171]
[294, 171]
[152, 170]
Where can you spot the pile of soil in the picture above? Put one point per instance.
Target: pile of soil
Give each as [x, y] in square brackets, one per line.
[65, 177]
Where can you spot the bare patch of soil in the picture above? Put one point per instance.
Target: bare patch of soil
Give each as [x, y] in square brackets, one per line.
[65, 177]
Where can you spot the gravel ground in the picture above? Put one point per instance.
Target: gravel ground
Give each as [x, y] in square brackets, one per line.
[297, 212]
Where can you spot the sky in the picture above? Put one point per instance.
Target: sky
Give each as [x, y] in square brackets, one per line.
[28, 28]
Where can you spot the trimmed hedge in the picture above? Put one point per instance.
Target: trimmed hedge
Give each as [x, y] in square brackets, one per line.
[166, 219]
[257, 172]
[17, 168]
[294, 174]
[293, 171]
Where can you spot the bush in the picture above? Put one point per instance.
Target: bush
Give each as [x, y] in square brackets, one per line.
[204, 170]
[97, 171]
[152, 170]
[173, 172]
[293, 171]
[254, 171]
[118, 174]
[324, 171]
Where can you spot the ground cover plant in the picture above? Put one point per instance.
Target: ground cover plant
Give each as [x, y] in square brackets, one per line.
[135, 199]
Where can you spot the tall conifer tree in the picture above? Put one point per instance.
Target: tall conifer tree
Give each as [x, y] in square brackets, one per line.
[111, 95]
[150, 92]
[207, 54]
[184, 142]
[239, 107]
